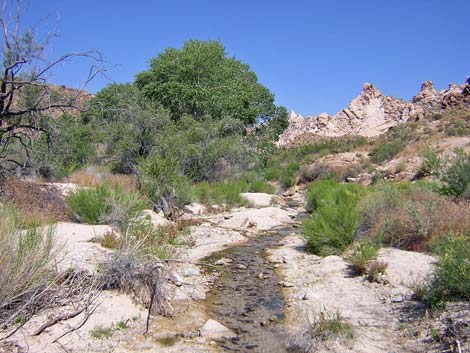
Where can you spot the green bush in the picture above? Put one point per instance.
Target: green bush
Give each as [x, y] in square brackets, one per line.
[432, 164]
[452, 275]
[456, 176]
[104, 204]
[163, 182]
[386, 151]
[333, 224]
[227, 193]
[458, 126]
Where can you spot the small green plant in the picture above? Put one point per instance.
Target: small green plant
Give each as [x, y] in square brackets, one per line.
[102, 332]
[122, 325]
[323, 327]
[110, 241]
[374, 269]
[458, 126]
[362, 254]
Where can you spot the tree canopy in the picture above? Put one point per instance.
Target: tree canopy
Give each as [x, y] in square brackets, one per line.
[201, 80]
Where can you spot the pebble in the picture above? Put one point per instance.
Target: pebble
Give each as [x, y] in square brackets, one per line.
[241, 267]
[285, 284]
[223, 261]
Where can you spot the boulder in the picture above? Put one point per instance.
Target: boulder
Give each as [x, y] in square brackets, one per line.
[216, 331]
[195, 208]
[258, 199]
[157, 219]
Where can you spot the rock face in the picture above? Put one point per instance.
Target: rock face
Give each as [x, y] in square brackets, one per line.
[372, 113]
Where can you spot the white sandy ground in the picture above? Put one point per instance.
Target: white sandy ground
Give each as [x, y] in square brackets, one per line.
[324, 284]
[82, 250]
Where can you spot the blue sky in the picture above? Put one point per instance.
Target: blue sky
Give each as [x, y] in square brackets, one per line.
[314, 55]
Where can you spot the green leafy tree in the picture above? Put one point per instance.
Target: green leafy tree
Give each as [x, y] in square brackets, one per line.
[126, 124]
[201, 80]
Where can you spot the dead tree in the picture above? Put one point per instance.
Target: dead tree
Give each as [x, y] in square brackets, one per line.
[27, 99]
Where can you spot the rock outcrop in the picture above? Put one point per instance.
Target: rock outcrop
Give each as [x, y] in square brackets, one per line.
[372, 113]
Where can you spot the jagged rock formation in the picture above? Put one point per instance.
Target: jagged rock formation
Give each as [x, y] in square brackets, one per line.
[372, 113]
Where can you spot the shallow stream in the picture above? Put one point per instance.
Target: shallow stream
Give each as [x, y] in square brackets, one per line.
[247, 297]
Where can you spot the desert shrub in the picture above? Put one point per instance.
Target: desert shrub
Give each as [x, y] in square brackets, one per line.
[436, 116]
[310, 173]
[332, 226]
[104, 204]
[228, 192]
[432, 163]
[256, 183]
[40, 202]
[394, 141]
[323, 327]
[452, 275]
[163, 182]
[458, 126]
[361, 255]
[456, 176]
[272, 173]
[284, 165]
[410, 215]
[26, 256]
[386, 151]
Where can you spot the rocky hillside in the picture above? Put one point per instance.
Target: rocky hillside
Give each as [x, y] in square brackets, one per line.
[372, 113]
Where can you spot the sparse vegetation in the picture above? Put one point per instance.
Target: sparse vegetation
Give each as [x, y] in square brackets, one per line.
[323, 327]
[102, 332]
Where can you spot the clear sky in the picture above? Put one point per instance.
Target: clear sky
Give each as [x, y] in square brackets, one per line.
[314, 55]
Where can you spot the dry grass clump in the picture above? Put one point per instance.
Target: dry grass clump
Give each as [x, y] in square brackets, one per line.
[141, 279]
[91, 178]
[39, 202]
[322, 328]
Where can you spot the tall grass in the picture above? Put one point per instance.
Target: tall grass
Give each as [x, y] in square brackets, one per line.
[25, 259]
[228, 192]
[104, 204]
